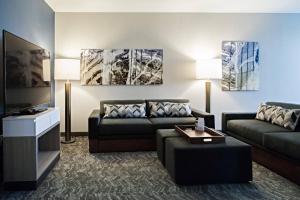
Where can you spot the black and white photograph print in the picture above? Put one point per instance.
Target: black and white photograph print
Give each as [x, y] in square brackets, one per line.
[240, 66]
[105, 67]
[147, 67]
[121, 66]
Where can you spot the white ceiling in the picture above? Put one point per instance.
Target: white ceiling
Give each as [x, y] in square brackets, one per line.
[209, 6]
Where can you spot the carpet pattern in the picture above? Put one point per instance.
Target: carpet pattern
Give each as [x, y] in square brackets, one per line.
[140, 176]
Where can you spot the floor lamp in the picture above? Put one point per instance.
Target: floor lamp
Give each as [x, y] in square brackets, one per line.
[208, 70]
[67, 69]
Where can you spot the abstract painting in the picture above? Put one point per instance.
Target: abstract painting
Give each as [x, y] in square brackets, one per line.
[105, 67]
[146, 67]
[121, 66]
[240, 66]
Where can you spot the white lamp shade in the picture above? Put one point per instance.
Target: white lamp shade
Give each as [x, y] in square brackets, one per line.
[67, 69]
[209, 69]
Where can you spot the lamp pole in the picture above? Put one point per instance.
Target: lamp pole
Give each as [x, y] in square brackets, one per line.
[207, 96]
[68, 139]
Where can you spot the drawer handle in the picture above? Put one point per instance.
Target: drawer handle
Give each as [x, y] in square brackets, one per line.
[207, 140]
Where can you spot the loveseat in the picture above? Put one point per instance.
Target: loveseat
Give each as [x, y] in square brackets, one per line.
[134, 134]
[275, 147]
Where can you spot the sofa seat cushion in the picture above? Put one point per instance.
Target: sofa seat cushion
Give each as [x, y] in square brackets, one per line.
[253, 129]
[128, 126]
[169, 122]
[287, 143]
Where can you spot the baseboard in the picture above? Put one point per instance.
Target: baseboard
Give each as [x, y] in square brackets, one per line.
[76, 134]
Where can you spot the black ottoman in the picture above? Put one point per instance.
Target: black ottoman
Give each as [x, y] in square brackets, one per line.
[188, 164]
[161, 135]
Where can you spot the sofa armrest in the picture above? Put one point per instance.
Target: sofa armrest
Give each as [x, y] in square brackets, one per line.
[93, 124]
[230, 116]
[209, 119]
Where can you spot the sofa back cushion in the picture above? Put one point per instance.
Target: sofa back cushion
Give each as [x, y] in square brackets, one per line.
[163, 100]
[284, 105]
[102, 111]
[125, 110]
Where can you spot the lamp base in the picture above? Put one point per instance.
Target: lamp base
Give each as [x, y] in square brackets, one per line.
[64, 141]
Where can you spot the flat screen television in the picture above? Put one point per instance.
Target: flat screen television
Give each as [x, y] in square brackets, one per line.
[27, 87]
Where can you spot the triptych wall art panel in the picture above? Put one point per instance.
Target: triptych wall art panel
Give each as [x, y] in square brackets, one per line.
[121, 66]
[240, 66]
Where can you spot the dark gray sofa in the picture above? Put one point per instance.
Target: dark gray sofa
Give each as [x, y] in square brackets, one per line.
[275, 147]
[133, 134]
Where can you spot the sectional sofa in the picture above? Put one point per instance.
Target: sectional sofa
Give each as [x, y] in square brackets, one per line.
[274, 146]
[134, 134]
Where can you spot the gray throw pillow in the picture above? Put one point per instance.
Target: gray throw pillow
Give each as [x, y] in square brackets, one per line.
[170, 109]
[125, 110]
[178, 109]
[157, 109]
[270, 113]
[260, 115]
[288, 118]
[266, 112]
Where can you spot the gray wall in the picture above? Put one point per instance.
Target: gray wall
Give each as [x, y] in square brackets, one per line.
[32, 20]
[184, 38]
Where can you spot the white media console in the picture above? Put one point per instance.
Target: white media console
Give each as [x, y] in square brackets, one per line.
[31, 148]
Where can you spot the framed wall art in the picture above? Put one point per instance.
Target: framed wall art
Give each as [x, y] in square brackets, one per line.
[240, 66]
[121, 66]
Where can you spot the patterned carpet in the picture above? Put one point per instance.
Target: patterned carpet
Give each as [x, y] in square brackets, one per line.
[139, 175]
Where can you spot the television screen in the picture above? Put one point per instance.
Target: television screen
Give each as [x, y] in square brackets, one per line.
[27, 74]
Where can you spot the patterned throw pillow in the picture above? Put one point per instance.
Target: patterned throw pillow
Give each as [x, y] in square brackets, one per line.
[287, 118]
[170, 109]
[271, 113]
[291, 119]
[265, 112]
[125, 110]
[279, 114]
[178, 109]
[157, 109]
[260, 115]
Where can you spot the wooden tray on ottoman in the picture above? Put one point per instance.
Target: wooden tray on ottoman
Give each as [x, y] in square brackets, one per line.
[209, 135]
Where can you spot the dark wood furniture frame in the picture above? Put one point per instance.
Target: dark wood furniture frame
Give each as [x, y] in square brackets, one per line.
[137, 144]
[276, 162]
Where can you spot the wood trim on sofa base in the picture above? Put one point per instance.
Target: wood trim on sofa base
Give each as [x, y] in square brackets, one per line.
[283, 167]
[121, 145]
